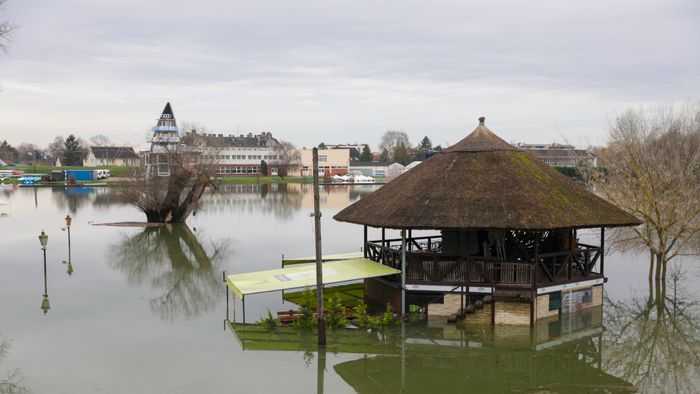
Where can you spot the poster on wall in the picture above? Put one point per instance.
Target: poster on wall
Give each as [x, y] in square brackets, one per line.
[576, 300]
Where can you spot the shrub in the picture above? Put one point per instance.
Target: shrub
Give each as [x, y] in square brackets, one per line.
[336, 312]
[306, 311]
[269, 322]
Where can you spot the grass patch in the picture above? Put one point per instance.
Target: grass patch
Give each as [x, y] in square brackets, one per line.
[348, 295]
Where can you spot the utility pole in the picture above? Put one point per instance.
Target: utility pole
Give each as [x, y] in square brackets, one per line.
[319, 263]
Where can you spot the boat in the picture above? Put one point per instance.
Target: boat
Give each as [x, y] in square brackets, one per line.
[29, 180]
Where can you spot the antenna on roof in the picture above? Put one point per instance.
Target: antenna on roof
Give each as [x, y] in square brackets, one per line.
[481, 121]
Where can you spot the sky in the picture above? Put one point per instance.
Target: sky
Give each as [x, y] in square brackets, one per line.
[344, 71]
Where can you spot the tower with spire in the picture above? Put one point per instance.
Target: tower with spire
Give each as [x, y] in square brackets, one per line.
[164, 142]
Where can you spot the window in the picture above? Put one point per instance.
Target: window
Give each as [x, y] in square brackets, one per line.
[322, 158]
[555, 301]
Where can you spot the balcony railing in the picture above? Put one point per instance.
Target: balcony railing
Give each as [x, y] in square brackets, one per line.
[425, 264]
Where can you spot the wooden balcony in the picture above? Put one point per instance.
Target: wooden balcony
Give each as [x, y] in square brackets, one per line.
[427, 265]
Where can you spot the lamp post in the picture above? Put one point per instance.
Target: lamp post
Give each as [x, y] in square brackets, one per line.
[69, 269]
[43, 240]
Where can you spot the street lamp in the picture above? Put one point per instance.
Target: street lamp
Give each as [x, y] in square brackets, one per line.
[69, 220]
[43, 240]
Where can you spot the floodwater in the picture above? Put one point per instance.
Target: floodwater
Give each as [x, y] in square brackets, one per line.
[143, 310]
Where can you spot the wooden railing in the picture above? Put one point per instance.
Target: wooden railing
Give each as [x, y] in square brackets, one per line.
[424, 265]
[432, 268]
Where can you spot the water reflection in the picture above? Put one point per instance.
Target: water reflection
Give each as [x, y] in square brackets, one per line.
[558, 355]
[279, 200]
[653, 339]
[10, 381]
[185, 274]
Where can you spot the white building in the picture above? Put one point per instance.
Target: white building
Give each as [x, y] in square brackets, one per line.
[376, 169]
[242, 154]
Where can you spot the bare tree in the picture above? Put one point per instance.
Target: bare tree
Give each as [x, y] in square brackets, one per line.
[653, 171]
[56, 147]
[7, 30]
[100, 140]
[290, 157]
[393, 139]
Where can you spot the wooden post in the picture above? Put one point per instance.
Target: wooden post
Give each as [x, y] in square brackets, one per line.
[602, 251]
[533, 297]
[383, 236]
[223, 274]
[403, 272]
[571, 256]
[364, 245]
[319, 263]
[320, 370]
[410, 239]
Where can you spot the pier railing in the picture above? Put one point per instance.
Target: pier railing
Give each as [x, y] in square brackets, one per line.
[425, 264]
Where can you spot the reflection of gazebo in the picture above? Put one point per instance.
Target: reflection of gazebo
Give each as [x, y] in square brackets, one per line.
[508, 227]
[573, 368]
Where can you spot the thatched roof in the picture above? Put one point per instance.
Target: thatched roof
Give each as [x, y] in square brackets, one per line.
[483, 182]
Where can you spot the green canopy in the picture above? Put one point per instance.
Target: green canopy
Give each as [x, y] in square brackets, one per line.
[304, 275]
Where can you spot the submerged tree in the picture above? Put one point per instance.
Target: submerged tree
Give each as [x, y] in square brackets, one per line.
[171, 198]
[653, 172]
[176, 174]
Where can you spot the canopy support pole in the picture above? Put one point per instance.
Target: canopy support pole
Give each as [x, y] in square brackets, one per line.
[602, 251]
[364, 244]
[223, 274]
[243, 303]
[403, 272]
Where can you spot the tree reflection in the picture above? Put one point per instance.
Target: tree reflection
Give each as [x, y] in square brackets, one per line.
[186, 275]
[11, 382]
[653, 340]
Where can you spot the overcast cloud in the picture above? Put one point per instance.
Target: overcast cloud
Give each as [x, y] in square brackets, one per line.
[343, 71]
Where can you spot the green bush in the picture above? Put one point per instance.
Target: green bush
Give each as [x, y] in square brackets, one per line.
[306, 311]
[269, 322]
[336, 312]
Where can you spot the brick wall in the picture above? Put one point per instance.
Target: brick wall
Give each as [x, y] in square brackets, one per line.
[480, 316]
[542, 307]
[512, 313]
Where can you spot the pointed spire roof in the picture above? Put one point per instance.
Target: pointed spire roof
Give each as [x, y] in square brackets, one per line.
[167, 112]
[482, 139]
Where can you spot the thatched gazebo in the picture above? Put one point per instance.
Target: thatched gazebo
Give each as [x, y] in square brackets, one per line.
[508, 226]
